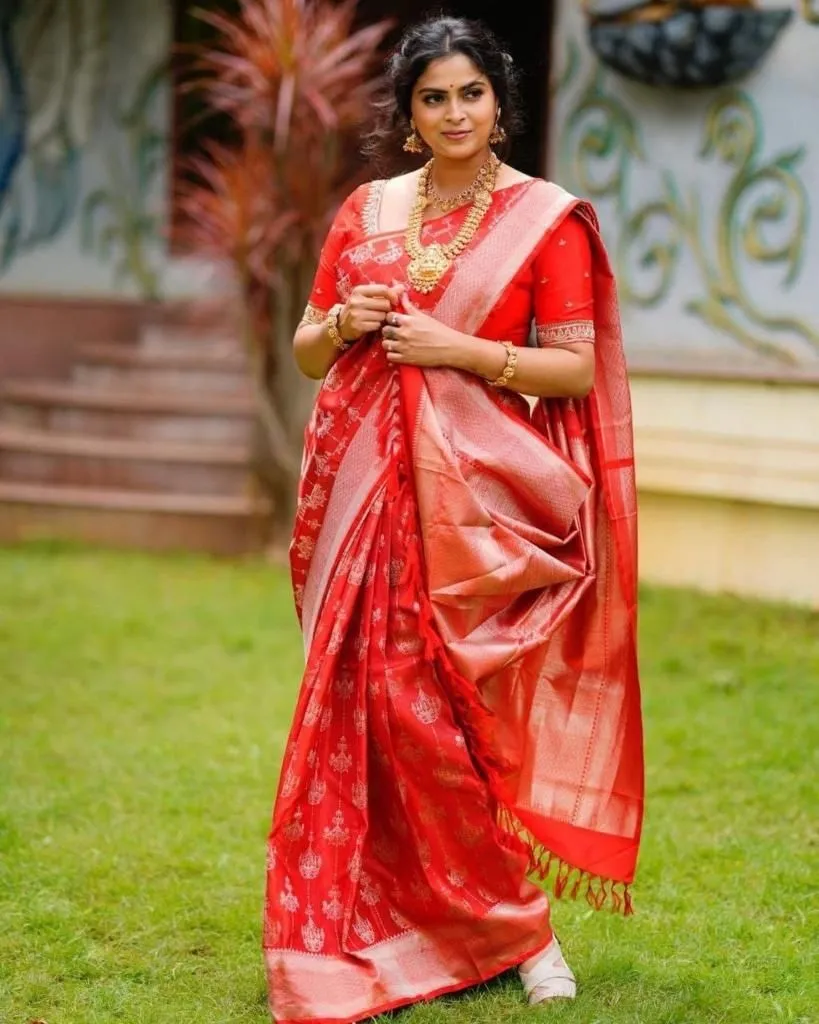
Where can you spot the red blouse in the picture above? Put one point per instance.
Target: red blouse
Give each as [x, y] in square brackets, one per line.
[553, 290]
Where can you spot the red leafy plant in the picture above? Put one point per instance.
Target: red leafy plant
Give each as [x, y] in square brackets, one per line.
[295, 80]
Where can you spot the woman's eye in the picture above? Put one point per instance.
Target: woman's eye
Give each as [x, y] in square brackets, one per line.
[432, 100]
[474, 94]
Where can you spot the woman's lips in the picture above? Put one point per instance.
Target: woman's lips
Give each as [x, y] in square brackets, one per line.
[456, 135]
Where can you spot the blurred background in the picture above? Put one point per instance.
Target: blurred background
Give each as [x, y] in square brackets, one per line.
[161, 208]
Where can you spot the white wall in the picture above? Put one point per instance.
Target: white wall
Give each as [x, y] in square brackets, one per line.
[85, 209]
[635, 149]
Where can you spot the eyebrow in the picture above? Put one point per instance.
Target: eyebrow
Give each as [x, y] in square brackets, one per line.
[469, 85]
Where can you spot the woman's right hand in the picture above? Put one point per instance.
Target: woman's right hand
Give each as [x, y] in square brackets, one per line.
[366, 309]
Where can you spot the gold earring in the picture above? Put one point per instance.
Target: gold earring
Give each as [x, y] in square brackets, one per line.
[413, 142]
[498, 135]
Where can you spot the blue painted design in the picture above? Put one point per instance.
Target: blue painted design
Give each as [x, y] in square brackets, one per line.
[13, 123]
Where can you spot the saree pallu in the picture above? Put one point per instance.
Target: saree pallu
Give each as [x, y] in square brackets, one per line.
[469, 715]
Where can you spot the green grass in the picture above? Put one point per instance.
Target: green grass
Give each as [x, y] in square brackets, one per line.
[144, 705]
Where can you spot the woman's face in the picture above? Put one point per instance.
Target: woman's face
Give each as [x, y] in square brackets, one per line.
[454, 108]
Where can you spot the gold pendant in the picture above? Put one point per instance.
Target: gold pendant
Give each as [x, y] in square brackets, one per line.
[426, 270]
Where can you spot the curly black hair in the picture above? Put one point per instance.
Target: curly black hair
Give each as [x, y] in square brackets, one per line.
[419, 46]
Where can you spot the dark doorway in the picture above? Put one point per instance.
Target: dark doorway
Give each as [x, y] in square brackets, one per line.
[525, 30]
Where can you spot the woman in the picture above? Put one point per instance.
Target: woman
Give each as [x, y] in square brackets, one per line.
[464, 572]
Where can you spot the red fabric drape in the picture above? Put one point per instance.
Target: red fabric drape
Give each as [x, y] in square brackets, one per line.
[464, 575]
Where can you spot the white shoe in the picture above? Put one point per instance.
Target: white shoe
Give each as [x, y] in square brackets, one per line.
[550, 977]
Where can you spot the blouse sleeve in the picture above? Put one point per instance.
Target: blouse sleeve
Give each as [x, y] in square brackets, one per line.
[324, 293]
[564, 296]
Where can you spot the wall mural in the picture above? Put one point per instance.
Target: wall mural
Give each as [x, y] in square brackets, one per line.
[64, 129]
[601, 146]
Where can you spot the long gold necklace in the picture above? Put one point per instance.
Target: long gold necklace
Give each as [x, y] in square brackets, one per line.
[428, 264]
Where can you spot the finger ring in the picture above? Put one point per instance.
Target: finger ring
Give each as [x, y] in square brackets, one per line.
[392, 319]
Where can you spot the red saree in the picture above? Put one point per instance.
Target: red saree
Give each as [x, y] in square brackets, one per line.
[464, 574]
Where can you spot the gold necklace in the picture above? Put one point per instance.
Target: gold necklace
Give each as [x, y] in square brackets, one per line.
[428, 264]
[466, 195]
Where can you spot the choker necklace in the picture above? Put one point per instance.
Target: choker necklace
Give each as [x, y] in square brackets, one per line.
[466, 195]
[428, 264]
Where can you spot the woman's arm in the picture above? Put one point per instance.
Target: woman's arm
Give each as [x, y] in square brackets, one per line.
[565, 371]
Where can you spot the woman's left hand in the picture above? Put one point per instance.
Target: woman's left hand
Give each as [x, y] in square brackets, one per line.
[414, 338]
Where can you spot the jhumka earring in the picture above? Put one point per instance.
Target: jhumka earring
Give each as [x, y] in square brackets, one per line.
[498, 132]
[413, 142]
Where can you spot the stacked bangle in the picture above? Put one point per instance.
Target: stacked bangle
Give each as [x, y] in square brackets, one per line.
[509, 369]
[333, 329]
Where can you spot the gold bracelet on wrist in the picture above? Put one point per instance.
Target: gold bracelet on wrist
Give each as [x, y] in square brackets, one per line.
[509, 369]
[333, 329]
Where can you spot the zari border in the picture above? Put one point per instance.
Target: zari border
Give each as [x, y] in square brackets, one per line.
[412, 966]
[565, 333]
[371, 210]
[313, 315]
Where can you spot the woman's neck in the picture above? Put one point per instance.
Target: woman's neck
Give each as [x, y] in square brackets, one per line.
[451, 176]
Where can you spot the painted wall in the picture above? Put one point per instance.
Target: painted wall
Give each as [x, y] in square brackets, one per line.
[707, 201]
[84, 125]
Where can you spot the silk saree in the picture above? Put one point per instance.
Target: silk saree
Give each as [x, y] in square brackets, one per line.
[468, 728]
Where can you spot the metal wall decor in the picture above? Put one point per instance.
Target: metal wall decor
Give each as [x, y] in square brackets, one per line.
[689, 46]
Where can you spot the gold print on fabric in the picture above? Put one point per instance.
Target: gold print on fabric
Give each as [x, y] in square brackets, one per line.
[309, 862]
[339, 834]
[288, 899]
[291, 783]
[426, 708]
[359, 795]
[312, 935]
[341, 761]
[333, 908]
[364, 930]
[294, 829]
[316, 792]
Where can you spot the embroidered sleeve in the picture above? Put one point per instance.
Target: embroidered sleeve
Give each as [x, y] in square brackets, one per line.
[566, 333]
[564, 295]
[314, 315]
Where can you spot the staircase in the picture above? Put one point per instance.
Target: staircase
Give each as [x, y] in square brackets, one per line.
[145, 446]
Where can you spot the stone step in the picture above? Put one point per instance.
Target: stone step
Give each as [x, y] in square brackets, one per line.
[132, 519]
[187, 340]
[66, 407]
[38, 456]
[123, 366]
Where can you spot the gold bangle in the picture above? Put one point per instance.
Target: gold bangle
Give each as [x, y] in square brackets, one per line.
[509, 369]
[333, 329]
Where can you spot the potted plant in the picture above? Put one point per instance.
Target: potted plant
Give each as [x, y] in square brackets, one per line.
[294, 79]
[690, 44]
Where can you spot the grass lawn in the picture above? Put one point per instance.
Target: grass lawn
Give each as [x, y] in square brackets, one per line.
[144, 704]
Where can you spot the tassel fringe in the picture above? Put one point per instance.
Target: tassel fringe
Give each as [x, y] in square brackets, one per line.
[565, 880]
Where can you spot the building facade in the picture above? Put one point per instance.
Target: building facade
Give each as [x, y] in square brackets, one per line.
[705, 199]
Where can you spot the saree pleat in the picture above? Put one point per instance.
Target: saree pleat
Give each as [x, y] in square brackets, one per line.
[469, 711]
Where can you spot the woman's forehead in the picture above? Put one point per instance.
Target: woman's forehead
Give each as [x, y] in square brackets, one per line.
[451, 72]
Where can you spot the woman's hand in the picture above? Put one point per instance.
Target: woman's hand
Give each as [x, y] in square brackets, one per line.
[366, 310]
[414, 338]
